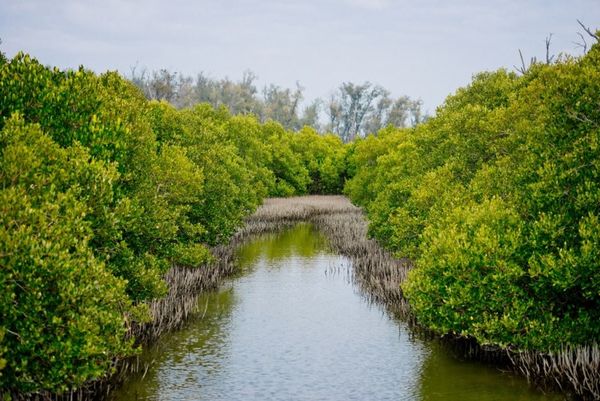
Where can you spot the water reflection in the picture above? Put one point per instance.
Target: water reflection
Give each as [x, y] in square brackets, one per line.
[285, 330]
[193, 355]
[444, 377]
[302, 241]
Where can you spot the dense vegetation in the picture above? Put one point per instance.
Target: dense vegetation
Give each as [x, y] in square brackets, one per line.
[497, 202]
[102, 191]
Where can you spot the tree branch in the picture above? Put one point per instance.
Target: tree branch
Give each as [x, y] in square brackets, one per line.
[521, 69]
[589, 31]
[583, 43]
[549, 58]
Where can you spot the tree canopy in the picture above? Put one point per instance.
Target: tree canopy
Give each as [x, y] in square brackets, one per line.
[102, 192]
[496, 200]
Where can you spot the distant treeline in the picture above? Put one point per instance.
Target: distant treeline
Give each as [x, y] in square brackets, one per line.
[102, 191]
[353, 110]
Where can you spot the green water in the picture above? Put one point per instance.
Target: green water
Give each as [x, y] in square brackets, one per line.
[289, 329]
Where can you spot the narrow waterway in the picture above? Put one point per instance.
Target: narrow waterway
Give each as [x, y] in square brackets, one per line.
[293, 327]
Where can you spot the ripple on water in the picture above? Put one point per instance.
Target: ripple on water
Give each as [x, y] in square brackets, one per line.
[288, 329]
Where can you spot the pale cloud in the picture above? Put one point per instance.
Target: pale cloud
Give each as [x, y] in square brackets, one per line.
[370, 4]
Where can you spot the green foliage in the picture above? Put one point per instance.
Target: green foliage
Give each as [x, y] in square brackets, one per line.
[102, 192]
[290, 177]
[497, 201]
[61, 309]
[470, 273]
[323, 156]
[100, 197]
[234, 182]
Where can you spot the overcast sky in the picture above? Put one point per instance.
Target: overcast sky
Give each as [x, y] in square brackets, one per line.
[424, 49]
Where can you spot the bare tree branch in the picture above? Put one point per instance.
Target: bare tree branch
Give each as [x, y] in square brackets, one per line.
[523, 68]
[549, 58]
[589, 31]
[582, 44]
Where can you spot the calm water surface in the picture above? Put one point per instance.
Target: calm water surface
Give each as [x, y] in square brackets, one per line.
[289, 329]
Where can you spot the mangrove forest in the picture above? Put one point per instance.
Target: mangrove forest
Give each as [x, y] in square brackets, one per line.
[134, 222]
